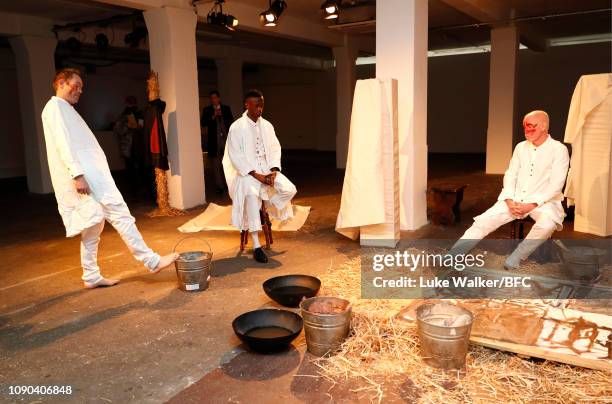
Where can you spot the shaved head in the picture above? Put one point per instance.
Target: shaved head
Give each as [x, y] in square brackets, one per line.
[536, 125]
[540, 115]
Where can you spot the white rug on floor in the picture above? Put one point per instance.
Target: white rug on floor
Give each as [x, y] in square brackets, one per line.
[217, 217]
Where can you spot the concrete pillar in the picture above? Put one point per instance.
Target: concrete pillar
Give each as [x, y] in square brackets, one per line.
[346, 76]
[172, 47]
[35, 57]
[401, 53]
[502, 98]
[229, 82]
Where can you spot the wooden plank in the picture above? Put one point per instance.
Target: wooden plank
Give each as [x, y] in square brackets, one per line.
[543, 353]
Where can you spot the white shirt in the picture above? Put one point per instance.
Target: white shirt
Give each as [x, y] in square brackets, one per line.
[536, 174]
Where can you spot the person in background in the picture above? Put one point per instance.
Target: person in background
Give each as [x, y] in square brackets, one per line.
[84, 188]
[216, 121]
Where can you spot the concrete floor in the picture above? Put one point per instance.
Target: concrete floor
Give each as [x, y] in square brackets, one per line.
[146, 341]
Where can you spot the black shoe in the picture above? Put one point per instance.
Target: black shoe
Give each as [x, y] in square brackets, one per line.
[260, 255]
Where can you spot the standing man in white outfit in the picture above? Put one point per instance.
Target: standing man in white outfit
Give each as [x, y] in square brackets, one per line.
[533, 186]
[252, 165]
[84, 188]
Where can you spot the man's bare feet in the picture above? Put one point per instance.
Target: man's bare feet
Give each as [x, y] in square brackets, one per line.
[101, 282]
[165, 261]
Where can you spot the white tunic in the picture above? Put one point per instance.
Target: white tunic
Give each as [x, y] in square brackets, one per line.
[536, 175]
[253, 146]
[73, 150]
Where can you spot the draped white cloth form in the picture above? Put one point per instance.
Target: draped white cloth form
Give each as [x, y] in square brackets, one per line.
[369, 207]
[73, 150]
[589, 131]
[240, 158]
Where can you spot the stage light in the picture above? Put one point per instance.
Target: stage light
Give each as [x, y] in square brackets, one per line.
[269, 18]
[217, 17]
[73, 44]
[102, 42]
[330, 9]
[133, 38]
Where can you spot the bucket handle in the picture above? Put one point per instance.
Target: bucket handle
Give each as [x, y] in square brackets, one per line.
[197, 238]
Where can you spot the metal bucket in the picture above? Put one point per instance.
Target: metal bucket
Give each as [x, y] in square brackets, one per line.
[325, 332]
[193, 268]
[583, 262]
[444, 334]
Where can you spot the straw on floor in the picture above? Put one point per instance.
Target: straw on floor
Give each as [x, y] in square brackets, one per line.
[383, 348]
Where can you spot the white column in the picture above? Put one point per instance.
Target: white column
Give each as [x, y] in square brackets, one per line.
[35, 57]
[172, 47]
[229, 82]
[502, 98]
[345, 57]
[401, 53]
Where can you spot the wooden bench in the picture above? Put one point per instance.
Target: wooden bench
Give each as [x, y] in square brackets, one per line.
[446, 200]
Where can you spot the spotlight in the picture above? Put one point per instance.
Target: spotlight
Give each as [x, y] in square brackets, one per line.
[216, 17]
[330, 9]
[102, 42]
[73, 44]
[133, 38]
[269, 18]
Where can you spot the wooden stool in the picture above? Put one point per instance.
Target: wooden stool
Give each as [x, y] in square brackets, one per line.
[519, 224]
[446, 200]
[266, 226]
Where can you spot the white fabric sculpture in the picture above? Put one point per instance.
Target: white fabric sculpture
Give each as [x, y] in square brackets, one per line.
[589, 131]
[369, 208]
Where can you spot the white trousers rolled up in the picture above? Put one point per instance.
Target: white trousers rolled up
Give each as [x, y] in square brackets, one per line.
[497, 216]
[277, 198]
[118, 215]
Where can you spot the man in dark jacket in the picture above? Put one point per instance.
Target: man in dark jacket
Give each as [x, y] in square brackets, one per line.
[216, 121]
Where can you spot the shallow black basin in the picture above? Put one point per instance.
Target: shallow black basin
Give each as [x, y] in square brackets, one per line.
[289, 290]
[268, 330]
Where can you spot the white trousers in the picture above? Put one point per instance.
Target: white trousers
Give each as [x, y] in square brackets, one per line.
[278, 201]
[495, 217]
[118, 215]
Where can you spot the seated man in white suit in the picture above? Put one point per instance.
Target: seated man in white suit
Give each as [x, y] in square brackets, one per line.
[84, 187]
[252, 165]
[533, 186]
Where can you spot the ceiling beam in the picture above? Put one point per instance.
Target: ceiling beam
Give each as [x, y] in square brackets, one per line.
[488, 11]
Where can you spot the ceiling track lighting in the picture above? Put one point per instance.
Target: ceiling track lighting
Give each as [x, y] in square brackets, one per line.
[330, 9]
[269, 18]
[217, 17]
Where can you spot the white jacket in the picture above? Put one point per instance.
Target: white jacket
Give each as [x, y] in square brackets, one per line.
[240, 159]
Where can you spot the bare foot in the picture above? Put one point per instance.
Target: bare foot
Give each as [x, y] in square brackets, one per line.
[101, 282]
[165, 261]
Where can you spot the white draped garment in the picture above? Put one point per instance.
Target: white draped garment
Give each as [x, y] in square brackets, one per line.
[73, 150]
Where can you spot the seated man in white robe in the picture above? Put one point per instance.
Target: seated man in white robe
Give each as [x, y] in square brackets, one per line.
[84, 188]
[533, 186]
[252, 166]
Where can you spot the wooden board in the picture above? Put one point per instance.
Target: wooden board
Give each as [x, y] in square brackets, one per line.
[531, 328]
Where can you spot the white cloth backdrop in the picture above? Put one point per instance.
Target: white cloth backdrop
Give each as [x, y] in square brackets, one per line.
[369, 208]
[589, 130]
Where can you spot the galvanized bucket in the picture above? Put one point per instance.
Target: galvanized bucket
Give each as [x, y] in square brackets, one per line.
[444, 334]
[583, 262]
[325, 332]
[193, 268]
